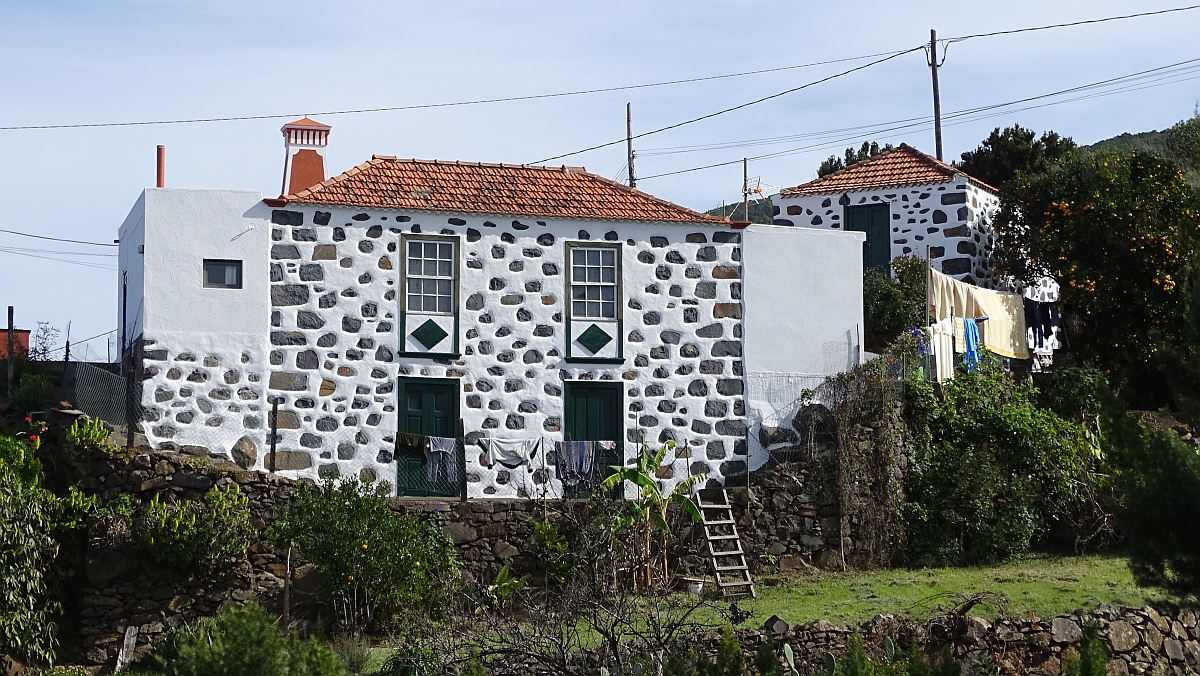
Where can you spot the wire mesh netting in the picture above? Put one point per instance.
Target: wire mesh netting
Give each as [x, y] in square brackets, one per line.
[102, 394]
[420, 474]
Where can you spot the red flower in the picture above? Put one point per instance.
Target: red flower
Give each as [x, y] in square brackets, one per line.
[1002, 501]
[28, 419]
[33, 437]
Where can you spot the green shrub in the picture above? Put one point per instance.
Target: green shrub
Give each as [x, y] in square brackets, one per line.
[382, 571]
[891, 305]
[90, 433]
[990, 470]
[355, 652]
[766, 662]
[411, 660]
[31, 518]
[204, 533]
[1159, 484]
[241, 641]
[1091, 658]
[27, 516]
[32, 393]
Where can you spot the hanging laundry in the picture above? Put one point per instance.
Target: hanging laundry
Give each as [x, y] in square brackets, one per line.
[412, 443]
[442, 454]
[512, 453]
[971, 343]
[1004, 332]
[941, 341]
[573, 460]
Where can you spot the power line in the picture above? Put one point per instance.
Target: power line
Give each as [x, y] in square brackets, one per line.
[1124, 84]
[737, 107]
[81, 342]
[49, 251]
[506, 99]
[1072, 23]
[58, 260]
[1167, 72]
[56, 239]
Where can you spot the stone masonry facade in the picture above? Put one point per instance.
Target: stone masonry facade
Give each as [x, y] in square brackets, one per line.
[338, 345]
[954, 219]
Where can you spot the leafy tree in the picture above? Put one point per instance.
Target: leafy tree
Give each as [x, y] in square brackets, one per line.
[382, 570]
[867, 151]
[893, 304]
[1005, 153]
[989, 469]
[1119, 233]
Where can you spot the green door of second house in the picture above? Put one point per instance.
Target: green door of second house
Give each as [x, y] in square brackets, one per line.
[592, 412]
[873, 220]
[428, 406]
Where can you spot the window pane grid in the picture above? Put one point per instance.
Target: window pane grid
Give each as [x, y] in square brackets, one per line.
[593, 283]
[430, 277]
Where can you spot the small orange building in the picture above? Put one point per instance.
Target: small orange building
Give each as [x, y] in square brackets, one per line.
[20, 342]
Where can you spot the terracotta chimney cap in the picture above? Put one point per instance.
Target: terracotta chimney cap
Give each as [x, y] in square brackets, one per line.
[306, 122]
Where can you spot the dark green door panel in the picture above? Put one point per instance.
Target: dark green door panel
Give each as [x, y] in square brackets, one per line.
[593, 412]
[872, 219]
[429, 406]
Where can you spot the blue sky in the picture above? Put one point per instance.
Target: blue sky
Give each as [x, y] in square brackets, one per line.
[110, 61]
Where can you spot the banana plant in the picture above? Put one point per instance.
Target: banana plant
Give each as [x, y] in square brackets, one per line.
[649, 509]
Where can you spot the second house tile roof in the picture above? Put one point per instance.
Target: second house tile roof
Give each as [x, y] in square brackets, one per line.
[501, 189]
[895, 168]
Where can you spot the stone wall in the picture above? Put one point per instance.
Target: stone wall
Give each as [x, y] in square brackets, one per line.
[1140, 641]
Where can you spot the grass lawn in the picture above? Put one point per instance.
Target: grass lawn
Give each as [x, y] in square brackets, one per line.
[1042, 585]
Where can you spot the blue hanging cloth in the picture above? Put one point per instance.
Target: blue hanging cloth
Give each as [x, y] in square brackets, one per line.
[971, 344]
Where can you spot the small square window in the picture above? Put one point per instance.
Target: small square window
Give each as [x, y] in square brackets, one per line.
[222, 274]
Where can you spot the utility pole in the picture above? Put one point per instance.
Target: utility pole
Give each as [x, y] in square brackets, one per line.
[67, 356]
[745, 189]
[629, 142]
[937, 97]
[11, 347]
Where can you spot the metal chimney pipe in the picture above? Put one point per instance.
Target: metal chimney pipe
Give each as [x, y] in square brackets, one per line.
[162, 167]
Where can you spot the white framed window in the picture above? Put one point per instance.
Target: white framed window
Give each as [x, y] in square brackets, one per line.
[593, 283]
[429, 278]
[220, 274]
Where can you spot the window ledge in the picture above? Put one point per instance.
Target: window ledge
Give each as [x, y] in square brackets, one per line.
[595, 360]
[430, 355]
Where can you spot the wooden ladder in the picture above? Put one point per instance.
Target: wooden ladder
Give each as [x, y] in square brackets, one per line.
[724, 543]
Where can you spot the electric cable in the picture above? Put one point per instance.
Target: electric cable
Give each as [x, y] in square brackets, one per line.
[1131, 82]
[448, 104]
[733, 108]
[58, 260]
[56, 239]
[81, 342]
[1067, 25]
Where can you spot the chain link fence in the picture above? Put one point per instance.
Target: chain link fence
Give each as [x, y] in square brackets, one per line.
[102, 394]
[429, 475]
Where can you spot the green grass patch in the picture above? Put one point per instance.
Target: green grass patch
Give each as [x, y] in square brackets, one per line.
[1039, 585]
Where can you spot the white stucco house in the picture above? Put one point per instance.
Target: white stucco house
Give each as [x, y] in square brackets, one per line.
[519, 303]
[907, 203]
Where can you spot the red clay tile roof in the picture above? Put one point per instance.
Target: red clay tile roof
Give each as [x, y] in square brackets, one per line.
[894, 168]
[501, 189]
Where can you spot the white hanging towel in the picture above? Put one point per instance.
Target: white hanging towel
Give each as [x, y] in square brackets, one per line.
[511, 453]
[942, 338]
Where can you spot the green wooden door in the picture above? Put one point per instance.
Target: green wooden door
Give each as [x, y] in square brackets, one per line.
[872, 219]
[430, 407]
[592, 412]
